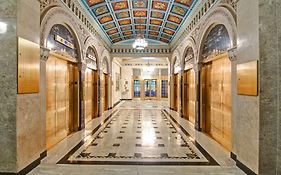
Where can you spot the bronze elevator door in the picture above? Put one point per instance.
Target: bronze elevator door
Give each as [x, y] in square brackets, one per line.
[61, 100]
[189, 93]
[216, 100]
[89, 95]
[176, 84]
[95, 96]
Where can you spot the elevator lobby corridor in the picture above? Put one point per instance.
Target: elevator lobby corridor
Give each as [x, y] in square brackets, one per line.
[140, 87]
[138, 138]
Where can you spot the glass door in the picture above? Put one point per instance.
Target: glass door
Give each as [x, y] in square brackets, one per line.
[164, 88]
[150, 89]
[137, 89]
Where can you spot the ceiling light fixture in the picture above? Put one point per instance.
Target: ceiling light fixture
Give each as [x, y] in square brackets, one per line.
[140, 43]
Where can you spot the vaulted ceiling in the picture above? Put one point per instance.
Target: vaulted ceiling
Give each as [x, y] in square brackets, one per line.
[122, 20]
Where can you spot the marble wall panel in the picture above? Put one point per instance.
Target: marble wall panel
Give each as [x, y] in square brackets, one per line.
[278, 22]
[268, 77]
[29, 132]
[28, 129]
[246, 108]
[28, 20]
[8, 86]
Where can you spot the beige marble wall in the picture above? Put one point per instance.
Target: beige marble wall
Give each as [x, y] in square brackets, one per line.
[29, 132]
[29, 136]
[8, 86]
[246, 108]
[116, 95]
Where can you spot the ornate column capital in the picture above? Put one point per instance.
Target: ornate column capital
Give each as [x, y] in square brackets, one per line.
[232, 53]
[44, 53]
[82, 66]
[197, 67]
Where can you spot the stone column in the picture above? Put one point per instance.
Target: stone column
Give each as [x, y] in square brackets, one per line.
[44, 55]
[197, 70]
[82, 73]
[269, 77]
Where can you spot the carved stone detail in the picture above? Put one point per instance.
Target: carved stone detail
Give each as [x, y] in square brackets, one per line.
[44, 53]
[232, 53]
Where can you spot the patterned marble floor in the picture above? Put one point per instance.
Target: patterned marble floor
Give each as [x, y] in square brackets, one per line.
[133, 135]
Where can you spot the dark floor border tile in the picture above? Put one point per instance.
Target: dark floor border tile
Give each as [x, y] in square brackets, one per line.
[240, 165]
[29, 167]
[64, 160]
[164, 163]
[211, 160]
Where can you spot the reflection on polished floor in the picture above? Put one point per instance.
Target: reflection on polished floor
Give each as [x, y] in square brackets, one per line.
[132, 136]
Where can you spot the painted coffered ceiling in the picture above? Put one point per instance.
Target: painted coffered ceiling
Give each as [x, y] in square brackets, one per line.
[124, 20]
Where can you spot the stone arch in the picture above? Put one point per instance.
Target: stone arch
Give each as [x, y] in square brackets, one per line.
[91, 59]
[190, 43]
[176, 56]
[220, 15]
[92, 42]
[105, 56]
[57, 15]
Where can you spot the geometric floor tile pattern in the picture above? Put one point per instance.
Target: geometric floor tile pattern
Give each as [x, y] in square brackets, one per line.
[139, 136]
[58, 158]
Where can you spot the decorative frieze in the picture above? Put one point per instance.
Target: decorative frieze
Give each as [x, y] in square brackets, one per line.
[135, 51]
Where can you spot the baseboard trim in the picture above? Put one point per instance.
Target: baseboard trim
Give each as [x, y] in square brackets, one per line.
[233, 156]
[240, 165]
[29, 167]
[43, 154]
[244, 168]
[115, 104]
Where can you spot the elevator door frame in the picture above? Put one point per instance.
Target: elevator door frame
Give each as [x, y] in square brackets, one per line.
[150, 89]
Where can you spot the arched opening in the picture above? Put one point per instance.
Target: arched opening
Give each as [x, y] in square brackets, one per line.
[189, 88]
[105, 85]
[216, 85]
[62, 85]
[91, 85]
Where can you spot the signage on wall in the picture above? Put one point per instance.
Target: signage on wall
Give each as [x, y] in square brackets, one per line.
[91, 57]
[64, 41]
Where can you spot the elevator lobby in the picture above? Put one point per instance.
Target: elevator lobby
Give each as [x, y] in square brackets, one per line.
[140, 87]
